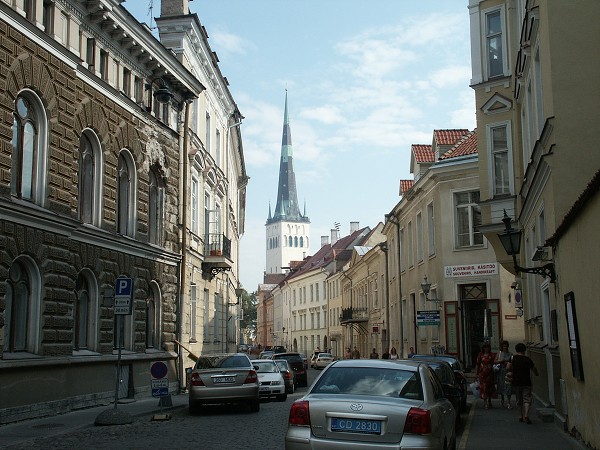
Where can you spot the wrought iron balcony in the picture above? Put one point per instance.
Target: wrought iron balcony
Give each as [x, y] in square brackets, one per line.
[353, 315]
[217, 255]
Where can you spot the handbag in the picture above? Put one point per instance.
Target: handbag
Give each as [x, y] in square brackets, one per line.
[508, 378]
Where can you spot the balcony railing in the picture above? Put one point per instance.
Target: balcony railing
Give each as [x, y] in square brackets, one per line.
[217, 245]
[354, 315]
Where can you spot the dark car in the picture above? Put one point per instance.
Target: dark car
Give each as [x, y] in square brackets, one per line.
[297, 364]
[452, 389]
[288, 375]
[457, 368]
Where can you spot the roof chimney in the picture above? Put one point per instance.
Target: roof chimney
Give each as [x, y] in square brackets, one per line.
[174, 8]
[353, 227]
[335, 235]
[324, 240]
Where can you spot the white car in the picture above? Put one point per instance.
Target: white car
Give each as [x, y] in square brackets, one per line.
[369, 403]
[270, 379]
[323, 360]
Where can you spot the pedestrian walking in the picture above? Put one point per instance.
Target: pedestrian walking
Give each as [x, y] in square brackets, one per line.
[393, 353]
[355, 353]
[411, 352]
[502, 360]
[385, 354]
[521, 367]
[348, 354]
[485, 374]
[374, 354]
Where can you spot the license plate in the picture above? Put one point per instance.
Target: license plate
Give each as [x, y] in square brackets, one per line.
[223, 380]
[356, 425]
[264, 389]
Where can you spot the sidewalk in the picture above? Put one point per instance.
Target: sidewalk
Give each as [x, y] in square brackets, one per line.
[499, 429]
[19, 432]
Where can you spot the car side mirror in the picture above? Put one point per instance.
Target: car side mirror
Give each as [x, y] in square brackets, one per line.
[255, 368]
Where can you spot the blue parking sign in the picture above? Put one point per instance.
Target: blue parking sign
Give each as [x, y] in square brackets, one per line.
[124, 287]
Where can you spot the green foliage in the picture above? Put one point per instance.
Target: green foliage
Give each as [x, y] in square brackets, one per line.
[248, 323]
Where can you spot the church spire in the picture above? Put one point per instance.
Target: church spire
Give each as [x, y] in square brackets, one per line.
[287, 198]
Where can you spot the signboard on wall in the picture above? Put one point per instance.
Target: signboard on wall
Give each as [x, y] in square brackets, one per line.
[471, 270]
[425, 318]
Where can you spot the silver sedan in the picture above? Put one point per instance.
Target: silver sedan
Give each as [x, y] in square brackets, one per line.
[380, 404]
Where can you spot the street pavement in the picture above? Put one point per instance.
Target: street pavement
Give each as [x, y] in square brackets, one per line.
[496, 428]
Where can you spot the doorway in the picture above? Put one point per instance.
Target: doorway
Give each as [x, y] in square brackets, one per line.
[473, 321]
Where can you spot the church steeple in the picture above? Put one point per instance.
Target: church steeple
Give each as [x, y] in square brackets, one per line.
[287, 197]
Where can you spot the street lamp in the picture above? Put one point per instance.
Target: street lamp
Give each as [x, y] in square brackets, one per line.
[426, 286]
[511, 241]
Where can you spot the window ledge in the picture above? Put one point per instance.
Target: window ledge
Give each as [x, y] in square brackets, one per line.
[83, 353]
[20, 355]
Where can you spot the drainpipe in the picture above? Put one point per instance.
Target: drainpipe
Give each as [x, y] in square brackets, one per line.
[183, 227]
[396, 222]
[384, 248]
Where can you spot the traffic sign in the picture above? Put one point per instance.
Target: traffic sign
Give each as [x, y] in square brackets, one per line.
[160, 388]
[123, 296]
[159, 369]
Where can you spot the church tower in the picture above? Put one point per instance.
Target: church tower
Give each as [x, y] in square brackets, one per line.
[288, 230]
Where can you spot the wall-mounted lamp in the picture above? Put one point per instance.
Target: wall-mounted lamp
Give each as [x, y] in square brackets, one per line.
[426, 287]
[511, 241]
[162, 94]
[541, 254]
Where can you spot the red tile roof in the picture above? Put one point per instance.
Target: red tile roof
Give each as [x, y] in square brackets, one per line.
[423, 153]
[467, 145]
[406, 185]
[448, 137]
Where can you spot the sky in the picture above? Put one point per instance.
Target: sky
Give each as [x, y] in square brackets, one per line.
[365, 81]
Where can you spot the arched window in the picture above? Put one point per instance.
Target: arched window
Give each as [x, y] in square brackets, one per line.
[85, 312]
[156, 207]
[126, 194]
[301, 241]
[90, 178]
[153, 317]
[29, 142]
[295, 241]
[21, 316]
[291, 242]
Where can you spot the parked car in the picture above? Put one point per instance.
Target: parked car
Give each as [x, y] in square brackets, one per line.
[223, 378]
[278, 349]
[271, 383]
[288, 375]
[243, 348]
[452, 388]
[359, 403]
[304, 360]
[323, 360]
[297, 364]
[266, 354]
[458, 369]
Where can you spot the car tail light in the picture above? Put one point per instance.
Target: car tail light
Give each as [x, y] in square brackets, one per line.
[251, 377]
[196, 380]
[287, 375]
[299, 414]
[418, 421]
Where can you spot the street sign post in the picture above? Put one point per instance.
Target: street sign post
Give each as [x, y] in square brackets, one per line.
[123, 296]
[160, 382]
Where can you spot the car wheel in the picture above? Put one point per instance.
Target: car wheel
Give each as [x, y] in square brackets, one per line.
[255, 406]
[282, 397]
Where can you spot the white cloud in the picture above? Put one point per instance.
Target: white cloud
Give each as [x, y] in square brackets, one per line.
[229, 42]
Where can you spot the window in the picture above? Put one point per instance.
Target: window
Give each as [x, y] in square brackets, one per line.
[218, 148]
[103, 65]
[194, 206]
[64, 29]
[90, 176]
[29, 6]
[207, 143]
[206, 321]
[419, 237]
[498, 138]
[493, 33]
[126, 194]
[153, 317]
[156, 206]
[431, 229]
[193, 312]
[138, 90]
[29, 149]
[21, 316]
[90, 55]
[48, 18]
[216, 317]
[411, 255]
[468, 219]
[85, 311]
[127, 81]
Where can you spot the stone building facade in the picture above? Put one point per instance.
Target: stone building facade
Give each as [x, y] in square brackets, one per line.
[90, 149]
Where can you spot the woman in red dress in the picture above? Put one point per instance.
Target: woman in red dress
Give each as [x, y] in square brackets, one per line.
[485, 374]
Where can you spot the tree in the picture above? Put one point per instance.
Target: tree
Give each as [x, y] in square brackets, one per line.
[248, 322]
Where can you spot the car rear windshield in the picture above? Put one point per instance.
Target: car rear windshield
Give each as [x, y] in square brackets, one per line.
[265, 366]
[222, 361]
[289, 358]
[370, 381]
